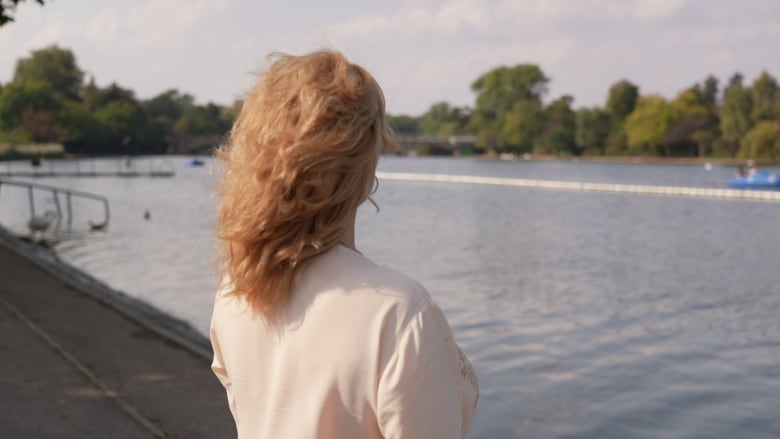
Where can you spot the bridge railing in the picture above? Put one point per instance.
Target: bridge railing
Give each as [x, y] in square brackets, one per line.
[453, 141]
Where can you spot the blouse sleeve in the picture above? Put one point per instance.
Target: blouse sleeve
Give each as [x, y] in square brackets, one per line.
[422, 391]
[218, 367]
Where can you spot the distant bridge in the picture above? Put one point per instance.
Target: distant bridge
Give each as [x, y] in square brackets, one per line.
[406, 143]
[442, 144]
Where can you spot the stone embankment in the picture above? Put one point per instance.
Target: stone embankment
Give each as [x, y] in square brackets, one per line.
[80, 360]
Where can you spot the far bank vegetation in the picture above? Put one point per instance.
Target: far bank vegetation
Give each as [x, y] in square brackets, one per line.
[49, 100]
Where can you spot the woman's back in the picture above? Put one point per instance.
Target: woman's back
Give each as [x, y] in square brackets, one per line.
[361, 351]
[352, 350]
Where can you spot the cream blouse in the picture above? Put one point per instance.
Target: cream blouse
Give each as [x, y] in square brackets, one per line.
[363, 352]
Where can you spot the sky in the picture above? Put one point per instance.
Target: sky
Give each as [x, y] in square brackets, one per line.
[421, 52]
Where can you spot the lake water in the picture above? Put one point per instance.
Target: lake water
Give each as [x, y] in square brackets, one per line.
[586, 315]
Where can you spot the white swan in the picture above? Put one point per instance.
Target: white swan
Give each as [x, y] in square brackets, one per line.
[41, 223]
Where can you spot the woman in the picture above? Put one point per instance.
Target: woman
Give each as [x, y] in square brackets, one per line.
[311, 339]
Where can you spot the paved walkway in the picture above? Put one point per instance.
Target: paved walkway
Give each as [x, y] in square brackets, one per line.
[73, 365]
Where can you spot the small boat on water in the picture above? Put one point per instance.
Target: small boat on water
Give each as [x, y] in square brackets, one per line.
[758, 180]
[195, 162]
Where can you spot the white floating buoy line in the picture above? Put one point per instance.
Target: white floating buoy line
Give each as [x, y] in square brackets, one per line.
[586, 186]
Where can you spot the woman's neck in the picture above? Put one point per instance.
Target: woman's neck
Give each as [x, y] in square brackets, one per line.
[348, 238]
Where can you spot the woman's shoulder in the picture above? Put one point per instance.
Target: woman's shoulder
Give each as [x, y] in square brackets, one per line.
[352, 272]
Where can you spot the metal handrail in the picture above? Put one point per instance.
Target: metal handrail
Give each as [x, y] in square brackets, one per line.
[68, 194]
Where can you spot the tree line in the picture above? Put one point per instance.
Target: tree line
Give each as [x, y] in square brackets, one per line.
[510, 115]
[48, 100]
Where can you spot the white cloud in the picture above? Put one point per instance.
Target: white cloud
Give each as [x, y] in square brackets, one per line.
[550, 12]
[642, 10]
[243, 46]
[414, 19]
[167, 24]
[463, 14]
[721, 58]
[721, 35]
[54, 31]
[422, 51]
[502, 17]
[545, 52]
[531, 12]
[648, 10]
[103, 27]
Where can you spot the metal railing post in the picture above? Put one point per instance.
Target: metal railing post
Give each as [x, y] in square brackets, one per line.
[70, 209]
[57, 205]
[32, 203]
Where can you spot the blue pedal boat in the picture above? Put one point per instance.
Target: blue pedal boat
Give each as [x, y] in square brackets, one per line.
[759, 180]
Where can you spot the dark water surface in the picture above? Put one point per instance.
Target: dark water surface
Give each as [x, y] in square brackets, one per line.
[586, 315]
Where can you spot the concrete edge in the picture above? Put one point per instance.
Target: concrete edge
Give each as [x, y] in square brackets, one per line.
[166, 326]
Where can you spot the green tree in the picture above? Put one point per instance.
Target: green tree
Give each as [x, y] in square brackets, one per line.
[487, 129]
[763, 140]
[647, 124]
[508, 104]
[8, 7]
[688, 104]
[167, 107]
[622, 99]
[122, 119]
[690, 116]
[441, 119]
[31, 96]
[500, 88]
[709, 91]
[40, 126]
[53, 65]
[735, 115]
[560, 127]
[403, 124]
[687, 137]
[520, 126]
[201, 120]
[765, 98]
[111, 121]
[95, 97]
[84, 133]
[128, 128]
[592, 128]
[229, 113]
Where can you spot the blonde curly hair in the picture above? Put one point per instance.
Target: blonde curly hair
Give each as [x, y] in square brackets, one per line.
[300, 159]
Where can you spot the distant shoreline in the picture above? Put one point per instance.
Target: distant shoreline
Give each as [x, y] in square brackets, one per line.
[729, 161]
